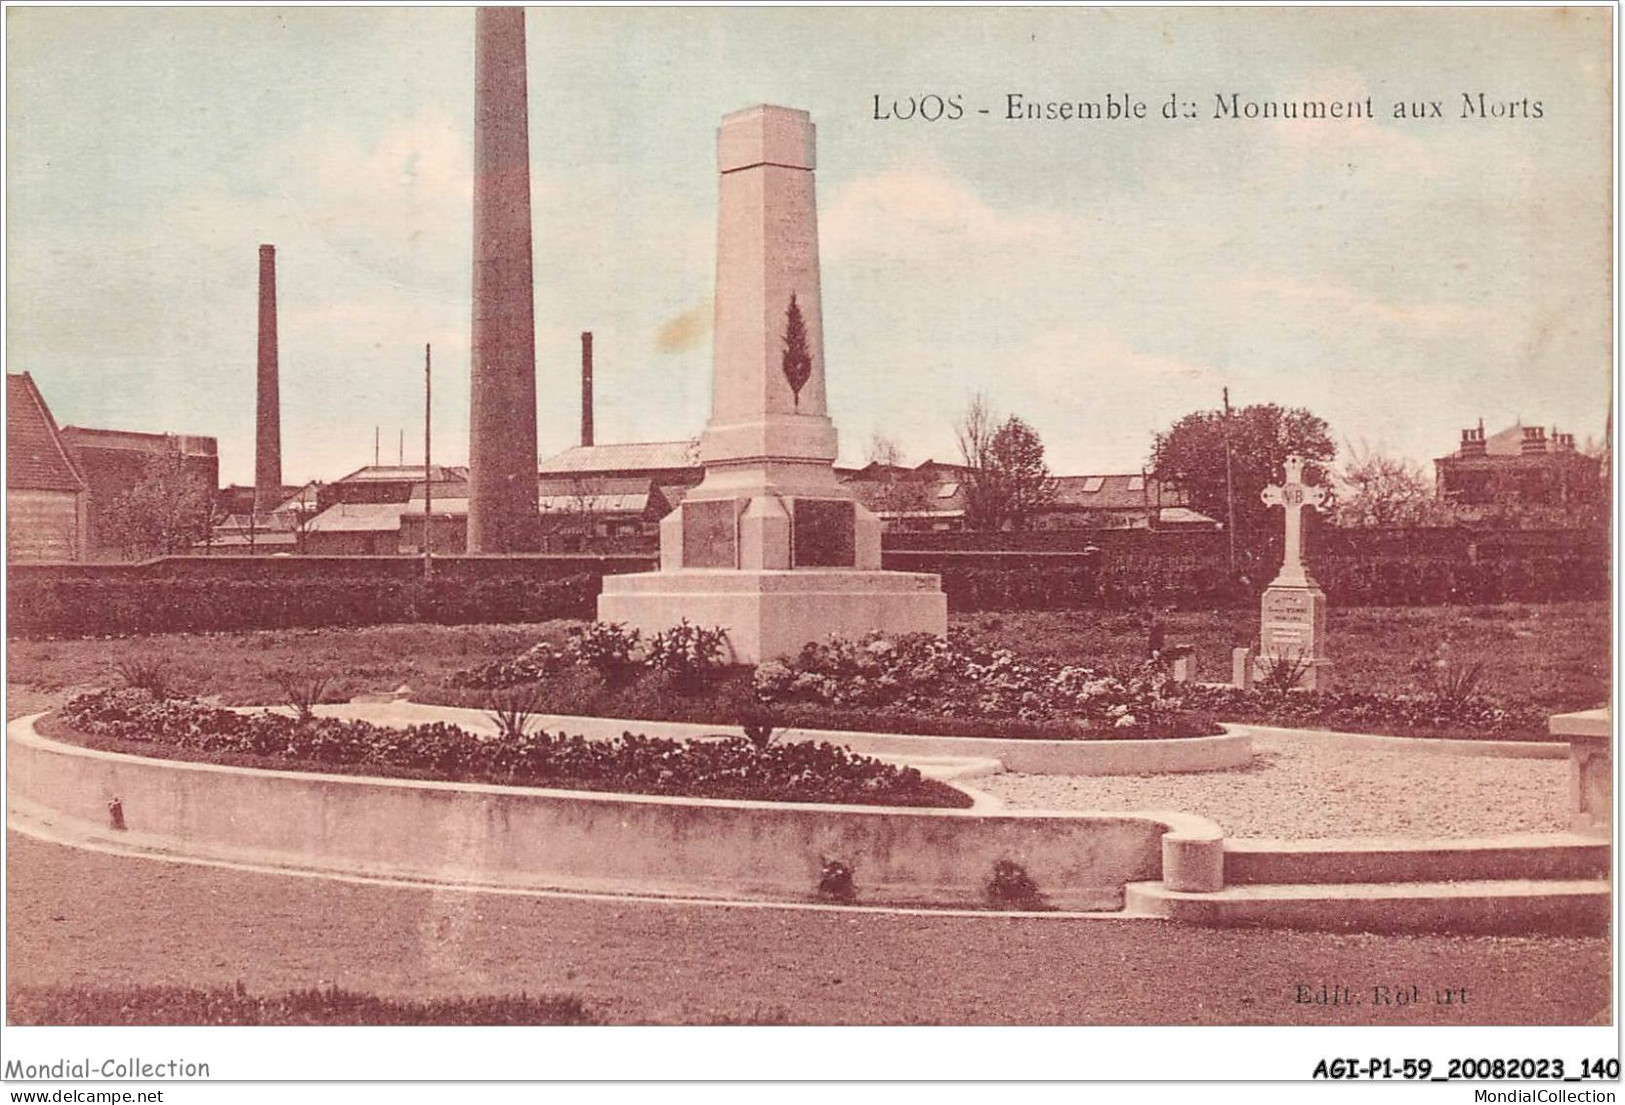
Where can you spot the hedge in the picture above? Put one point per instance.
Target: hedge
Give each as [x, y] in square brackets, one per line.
[69, 607]
[75, 605]
[1351, 582]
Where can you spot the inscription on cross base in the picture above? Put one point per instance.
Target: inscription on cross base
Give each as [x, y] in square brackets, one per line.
[1294, 495]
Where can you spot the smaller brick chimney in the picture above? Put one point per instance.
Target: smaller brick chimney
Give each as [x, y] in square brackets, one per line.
[1534, 440]
[1472, 441]
[586, 387]
[1562, 443]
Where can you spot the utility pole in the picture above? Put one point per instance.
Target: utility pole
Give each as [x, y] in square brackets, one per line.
[1229, 487]
[428, 472]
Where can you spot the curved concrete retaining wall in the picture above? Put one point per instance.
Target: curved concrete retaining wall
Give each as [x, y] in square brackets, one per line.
[1033, 757]
[520, 837]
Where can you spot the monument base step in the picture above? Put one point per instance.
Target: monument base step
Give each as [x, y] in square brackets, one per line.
[771, 615]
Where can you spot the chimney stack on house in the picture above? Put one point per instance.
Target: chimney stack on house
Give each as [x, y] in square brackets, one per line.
[586, 387]
[1472, 441]
[268, 412]
[1534, 441]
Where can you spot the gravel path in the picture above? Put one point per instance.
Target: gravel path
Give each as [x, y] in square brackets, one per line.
[1294, 789]
[77, 917]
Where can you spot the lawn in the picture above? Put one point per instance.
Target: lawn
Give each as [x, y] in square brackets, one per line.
[81, 921]
[1555, 655]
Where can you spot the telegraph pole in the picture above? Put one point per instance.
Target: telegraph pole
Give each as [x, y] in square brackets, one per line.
[1229, 487]
[428, 472]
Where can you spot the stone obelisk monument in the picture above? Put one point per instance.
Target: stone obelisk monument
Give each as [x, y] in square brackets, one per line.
[502, 488]
[268, 408]
[770, 545]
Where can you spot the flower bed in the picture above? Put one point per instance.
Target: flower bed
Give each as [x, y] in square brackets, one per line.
[727, 767]
[1420, 715]
[960, 687]
[915, 684]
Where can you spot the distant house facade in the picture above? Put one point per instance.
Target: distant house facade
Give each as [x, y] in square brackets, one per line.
[932, 497]
[47, 498]
[1519, 468]
[590, 494]
[113, 462]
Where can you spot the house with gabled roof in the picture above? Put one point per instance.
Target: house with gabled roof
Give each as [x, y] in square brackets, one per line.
[47, 498]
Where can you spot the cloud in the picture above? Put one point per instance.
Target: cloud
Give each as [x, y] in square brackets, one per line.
[686, 331]
[1096, 352]
[1345, 302]
[909, 208]
[396, 209]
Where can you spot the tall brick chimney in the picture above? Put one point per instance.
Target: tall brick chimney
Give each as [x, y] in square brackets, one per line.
[1534, 441]
[586, 387]
[502, 500]
[268, 411]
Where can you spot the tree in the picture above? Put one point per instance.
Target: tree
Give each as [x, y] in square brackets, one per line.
[167, 511]
[895, 491]
[983, 508]
[1016, 455]
[1380, 490]
[883, 450]
[1006, 480]
[1190, 456]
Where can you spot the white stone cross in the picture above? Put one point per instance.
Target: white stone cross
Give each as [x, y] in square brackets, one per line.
[1293, 494]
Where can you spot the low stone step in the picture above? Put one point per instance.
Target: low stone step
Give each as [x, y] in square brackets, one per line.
[1490, 906]
[1252, 861]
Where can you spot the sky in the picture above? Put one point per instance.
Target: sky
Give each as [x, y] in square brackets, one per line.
[1400, 278]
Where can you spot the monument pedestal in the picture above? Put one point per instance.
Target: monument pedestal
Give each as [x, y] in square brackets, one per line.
[771, 614]
[1292, 630]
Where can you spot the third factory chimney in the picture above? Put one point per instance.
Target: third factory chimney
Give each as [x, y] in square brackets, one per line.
[502, 487]
[268, 413]
[586, 387]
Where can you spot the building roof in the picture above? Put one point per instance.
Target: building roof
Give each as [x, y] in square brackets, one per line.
[257, 523]
[36, 459]
[397, 473]
[1107, 492]
[301, 501]
[641, 456]
[454, 488]
[450, 507]
[595, 485]
[358, 518]
[260, 540]
[1185, 516]
[1507, 443]
[136, 441]
[1507, 447]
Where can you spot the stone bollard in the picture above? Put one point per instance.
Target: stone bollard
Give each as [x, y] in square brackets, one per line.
[115, 814]
[1241, 668]
[1591, 768]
